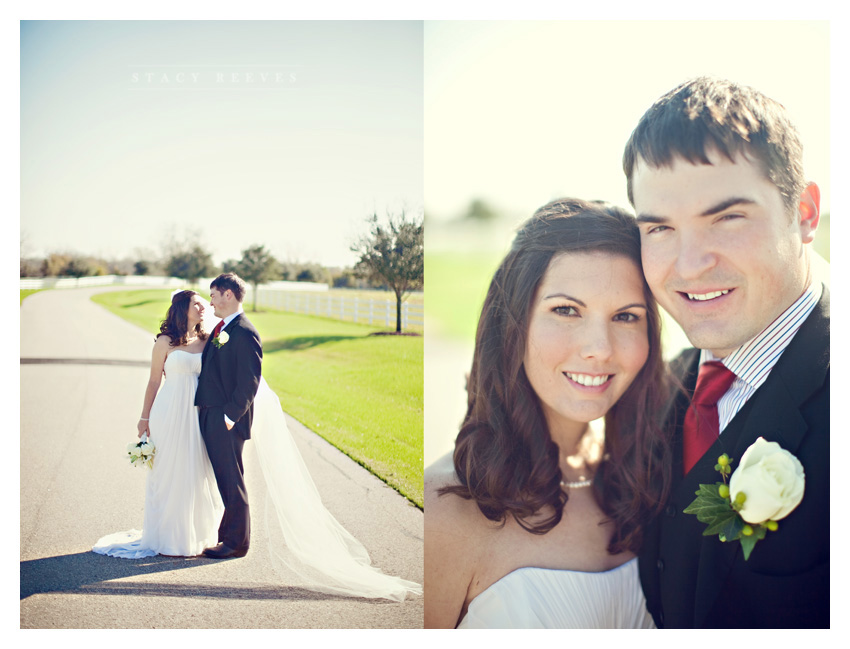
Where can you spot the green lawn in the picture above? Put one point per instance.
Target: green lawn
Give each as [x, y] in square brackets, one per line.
[457, 284]
[362, 393]
[27, 292]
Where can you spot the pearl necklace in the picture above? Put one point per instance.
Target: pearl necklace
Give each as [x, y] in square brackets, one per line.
[577, 484]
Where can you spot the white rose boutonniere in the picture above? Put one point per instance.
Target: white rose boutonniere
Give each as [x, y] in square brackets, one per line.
[772, 481]
[221, 340]
[766, 487]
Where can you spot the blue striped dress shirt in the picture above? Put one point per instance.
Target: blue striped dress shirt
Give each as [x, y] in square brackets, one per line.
[751, 362]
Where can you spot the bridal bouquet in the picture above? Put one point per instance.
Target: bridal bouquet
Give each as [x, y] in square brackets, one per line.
[766, 487]
[141, 453]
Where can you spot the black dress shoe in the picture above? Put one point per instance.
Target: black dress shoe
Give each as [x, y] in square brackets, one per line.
[221, 551]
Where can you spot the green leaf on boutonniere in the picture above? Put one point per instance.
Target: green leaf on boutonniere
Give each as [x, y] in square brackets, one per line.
[708, 504]
[712, 508]
[749, 542]
[722, 505]
[728, 525]
[747, 545]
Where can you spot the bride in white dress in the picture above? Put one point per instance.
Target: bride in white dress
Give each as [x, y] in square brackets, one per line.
[534, 520]
[182, 503]
[183, 507]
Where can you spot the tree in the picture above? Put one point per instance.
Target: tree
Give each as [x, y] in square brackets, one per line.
[141, 267]
[54, 264]
[190, 263]
[343, 279]
[305, 275]
[256, 267]
[479, 210]
[393, 253]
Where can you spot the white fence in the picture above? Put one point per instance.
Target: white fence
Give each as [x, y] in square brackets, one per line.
[101, 280]
[296, 297]
[359, 308]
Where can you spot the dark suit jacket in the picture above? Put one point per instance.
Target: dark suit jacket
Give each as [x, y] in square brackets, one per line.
[695, 581]
[230, 375]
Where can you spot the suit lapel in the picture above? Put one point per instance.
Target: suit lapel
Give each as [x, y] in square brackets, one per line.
[228, 326]
[231, 323]
[773, 413]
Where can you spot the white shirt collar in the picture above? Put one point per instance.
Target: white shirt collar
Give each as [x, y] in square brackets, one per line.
[753, 360]
[229, 318]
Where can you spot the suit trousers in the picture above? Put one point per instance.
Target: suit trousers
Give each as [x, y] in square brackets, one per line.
[224, 448]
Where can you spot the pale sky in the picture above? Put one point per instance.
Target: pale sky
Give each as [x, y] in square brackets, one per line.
[519, 113]
[131, 130]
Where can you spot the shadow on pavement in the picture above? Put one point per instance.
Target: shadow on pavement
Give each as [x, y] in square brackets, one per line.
[93, 574]
[82, 361]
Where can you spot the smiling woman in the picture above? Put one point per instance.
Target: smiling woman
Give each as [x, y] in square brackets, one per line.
[582, 354]
[569, 333]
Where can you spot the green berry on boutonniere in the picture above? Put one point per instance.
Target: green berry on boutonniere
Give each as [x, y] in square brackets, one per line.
[766, 487]
[723, 465]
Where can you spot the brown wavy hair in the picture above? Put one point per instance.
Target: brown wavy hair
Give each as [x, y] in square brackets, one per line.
[176, 323]
[504, 456]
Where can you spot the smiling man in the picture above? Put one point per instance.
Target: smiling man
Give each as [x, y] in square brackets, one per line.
[726, 217]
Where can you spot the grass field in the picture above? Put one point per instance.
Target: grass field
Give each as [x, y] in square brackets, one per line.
[362, 393]
[28, 292]
[457, 284]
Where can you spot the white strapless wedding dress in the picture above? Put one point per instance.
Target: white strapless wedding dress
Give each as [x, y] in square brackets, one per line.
[539, 598]
[183, 507]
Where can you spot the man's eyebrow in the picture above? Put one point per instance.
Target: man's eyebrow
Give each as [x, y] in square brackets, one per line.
[725, 205]
[711, 211]
[650, 218]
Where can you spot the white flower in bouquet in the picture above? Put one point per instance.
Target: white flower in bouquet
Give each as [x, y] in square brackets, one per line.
[142, 453]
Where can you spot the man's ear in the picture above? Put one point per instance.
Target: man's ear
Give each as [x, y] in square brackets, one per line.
[809, 212]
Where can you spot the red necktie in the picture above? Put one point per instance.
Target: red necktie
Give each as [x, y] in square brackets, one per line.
[702, 424]
[217, 329]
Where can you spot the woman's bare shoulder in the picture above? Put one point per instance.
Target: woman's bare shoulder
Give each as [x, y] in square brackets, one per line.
[441, 473]
[448, 514]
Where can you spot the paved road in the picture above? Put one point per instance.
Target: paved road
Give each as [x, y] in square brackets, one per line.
[83, 375]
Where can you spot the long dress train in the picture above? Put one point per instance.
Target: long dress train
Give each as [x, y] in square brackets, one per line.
[316, 546]
[183, 507]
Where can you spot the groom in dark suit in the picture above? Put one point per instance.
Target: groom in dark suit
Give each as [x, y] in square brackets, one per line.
[727, 218]
[230, 376]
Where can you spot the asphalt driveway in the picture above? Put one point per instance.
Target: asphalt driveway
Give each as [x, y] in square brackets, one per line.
[83, 376]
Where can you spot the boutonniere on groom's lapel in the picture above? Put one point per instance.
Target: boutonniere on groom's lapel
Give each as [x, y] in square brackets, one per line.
[221, 339]
[766, 487]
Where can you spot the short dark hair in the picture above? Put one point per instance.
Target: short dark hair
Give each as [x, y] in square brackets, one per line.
[505, 458]
[706, 113]
[232, 282]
